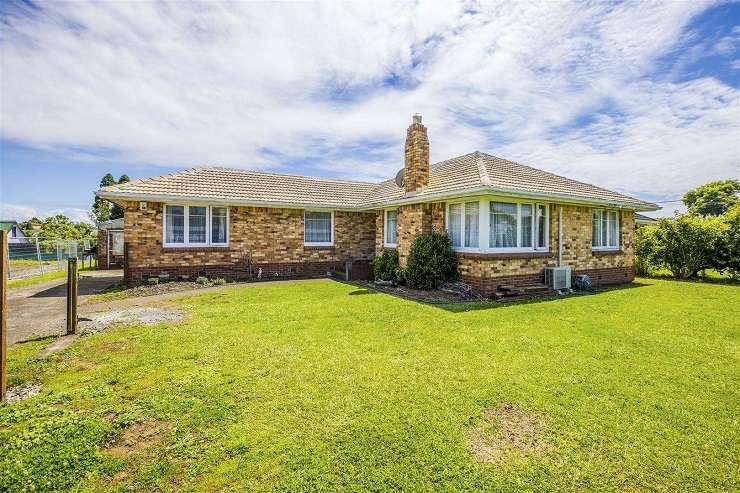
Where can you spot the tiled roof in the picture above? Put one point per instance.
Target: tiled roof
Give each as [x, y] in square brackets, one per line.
[640, 218]
[471, 173]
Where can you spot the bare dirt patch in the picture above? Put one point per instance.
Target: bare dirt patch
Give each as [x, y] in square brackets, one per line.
[138, 437]
[20, 392]
[98, 322]
[506, 432]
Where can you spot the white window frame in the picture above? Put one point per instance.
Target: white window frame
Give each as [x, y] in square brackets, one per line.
[385, 229]
[605, 246]
[318, 243]
[484, 213]
[186, 220]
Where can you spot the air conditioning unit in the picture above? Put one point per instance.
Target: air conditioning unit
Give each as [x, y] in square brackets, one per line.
[558, 277]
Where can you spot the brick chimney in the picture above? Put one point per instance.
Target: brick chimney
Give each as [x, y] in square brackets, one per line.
[416, 163]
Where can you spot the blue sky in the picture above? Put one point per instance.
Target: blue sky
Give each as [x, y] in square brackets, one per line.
[639, 97]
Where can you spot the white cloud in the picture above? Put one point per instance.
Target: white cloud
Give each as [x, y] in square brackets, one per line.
[23, 212]
[181, 84]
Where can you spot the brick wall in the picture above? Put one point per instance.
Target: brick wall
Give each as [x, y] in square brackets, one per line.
[101, 252]
[270, 239]
[416, 156]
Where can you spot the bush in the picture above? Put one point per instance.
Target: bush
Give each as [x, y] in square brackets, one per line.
[202, 280]
[385, 266]
[645, 251]
[430, 262]
[153, 281]
[687, 244]
[219, 281]
[727, 257]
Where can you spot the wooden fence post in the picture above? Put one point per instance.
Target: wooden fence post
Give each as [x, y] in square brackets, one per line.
[72, 295]
[3, 314]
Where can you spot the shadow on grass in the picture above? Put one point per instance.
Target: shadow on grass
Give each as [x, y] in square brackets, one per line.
[697, 280]
[360, 292]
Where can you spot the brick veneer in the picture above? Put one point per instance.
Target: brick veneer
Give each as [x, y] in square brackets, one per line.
[416, 156]
[101, 252]
[259, 238]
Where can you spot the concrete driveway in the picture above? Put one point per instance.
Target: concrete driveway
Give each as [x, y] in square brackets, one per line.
[40, 310]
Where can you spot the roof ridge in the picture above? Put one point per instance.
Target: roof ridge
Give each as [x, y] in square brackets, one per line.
[561, 176]
[484, 177]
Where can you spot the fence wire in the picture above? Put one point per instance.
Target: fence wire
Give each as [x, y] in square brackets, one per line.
[34, 256]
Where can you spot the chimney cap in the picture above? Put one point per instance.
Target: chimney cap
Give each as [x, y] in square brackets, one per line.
[416, 118]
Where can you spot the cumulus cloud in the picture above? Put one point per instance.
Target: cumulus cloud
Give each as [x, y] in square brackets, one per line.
[23, 212]
[329, 88]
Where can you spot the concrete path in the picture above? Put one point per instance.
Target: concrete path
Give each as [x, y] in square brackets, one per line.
[40, 310]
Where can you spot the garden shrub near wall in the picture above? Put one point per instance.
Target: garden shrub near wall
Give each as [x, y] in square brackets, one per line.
[385, 266]
[430, 262]
[728, 255]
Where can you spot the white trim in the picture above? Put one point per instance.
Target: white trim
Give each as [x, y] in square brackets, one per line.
[186, 226]
[385, 228]
[318, 243]
[619, 230]
[433, 197]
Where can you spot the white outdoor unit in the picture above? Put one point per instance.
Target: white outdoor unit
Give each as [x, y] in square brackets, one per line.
[558, 277]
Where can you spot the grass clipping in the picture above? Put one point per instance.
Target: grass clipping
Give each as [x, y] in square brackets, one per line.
[505, 434]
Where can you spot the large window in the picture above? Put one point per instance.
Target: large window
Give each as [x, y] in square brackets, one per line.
[605, 232]
[318, 228]
[390, 228]
[498, 226]
[188, 225]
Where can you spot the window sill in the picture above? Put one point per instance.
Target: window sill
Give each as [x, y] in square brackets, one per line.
[607, 252]
[504, 255]
[391, 246]
[318, 247]
[186, 248]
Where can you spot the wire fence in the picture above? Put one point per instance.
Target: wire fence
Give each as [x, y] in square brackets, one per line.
[35, 256]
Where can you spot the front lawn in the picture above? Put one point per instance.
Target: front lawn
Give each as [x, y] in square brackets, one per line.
[324, 386]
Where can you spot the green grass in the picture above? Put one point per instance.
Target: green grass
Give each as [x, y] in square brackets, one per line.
[45, 277]
[324, 386]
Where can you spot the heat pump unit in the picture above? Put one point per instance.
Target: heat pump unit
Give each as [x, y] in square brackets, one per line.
[558, 277]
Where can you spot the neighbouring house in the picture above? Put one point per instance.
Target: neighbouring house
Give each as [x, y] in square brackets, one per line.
[643, 220]
[110, 244]
[15, 233]
[507, 222]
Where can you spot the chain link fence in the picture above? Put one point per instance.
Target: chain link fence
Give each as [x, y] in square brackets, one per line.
[34, 256]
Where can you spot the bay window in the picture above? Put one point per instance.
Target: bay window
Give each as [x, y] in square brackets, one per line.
[187, 225]
[491, 226]
[318, 228]
[605, 230]
[390, 228]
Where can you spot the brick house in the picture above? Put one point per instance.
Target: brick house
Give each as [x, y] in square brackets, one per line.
[506, 221]
[109, 249]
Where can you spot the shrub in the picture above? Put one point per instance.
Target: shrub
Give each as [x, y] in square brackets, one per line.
[645, 251]
[153, 281]
[385, 266]
[687, 244]
[219, 281]
[727, 257]
[430, 262]
[202, 280]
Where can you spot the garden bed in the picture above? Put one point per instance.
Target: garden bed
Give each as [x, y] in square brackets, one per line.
[119, 291]
[447, 294]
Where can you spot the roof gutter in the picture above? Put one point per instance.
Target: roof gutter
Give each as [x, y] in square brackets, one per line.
[507, 192]
[511, 192]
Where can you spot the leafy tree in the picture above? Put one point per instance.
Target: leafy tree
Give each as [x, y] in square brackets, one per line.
[431, 261]
[59, 226]
[686, 244]
[117, 211]
[101, 208]
[645, 245]
[727, 257]
[713, 199]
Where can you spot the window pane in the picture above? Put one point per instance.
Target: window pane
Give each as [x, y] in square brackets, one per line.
[175, 224]
[613, 225]
[471, 224]
[541, 226]
[218, 225]
[527, 225]
[455, 224]
[197, 224]
[503, 225]
[604, 233]
[390, 223]
[596, 235]
[317, 227]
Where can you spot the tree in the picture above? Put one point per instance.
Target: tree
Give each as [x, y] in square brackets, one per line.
[727, 257]
[59, 226]
[713, 199]
[686, 244]
[117, 211]
[101, 208]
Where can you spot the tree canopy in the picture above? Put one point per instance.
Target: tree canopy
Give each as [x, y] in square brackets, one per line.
[59, 226]
[713, 199]
[102, 210]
